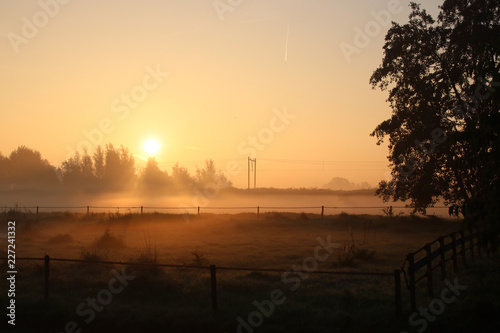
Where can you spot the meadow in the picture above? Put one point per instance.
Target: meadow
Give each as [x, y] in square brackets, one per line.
[178, 299]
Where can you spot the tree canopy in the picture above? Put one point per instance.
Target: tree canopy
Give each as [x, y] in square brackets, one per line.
[443, 80]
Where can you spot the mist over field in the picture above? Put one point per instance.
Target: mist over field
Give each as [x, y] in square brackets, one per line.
[227, 201]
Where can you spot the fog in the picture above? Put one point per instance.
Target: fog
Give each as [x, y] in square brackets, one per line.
[108, 181]
[227, 201]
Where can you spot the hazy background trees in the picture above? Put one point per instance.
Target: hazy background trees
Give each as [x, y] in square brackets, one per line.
[25, 169]
[108, 170]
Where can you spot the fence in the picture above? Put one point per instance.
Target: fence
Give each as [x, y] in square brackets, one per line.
[460, 243]
[213, 275]
[198, 209]
[457, 242]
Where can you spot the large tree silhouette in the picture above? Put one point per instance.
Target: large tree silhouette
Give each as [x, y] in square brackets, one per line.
[443, 81]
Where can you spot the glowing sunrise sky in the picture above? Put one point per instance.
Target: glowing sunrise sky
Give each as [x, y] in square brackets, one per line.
[76, 72]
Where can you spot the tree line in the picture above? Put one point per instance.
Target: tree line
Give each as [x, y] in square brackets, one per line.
[107, 169]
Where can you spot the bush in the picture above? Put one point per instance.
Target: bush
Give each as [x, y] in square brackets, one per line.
[345, 258]
[94, 254]
[149, 255]
[363, 254]
[109, 241]
[199, 259]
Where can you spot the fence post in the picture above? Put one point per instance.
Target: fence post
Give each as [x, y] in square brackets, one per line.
[443, 258]
[411, 273]
[46, 278]
[36, 210]
[213, 278]
[88, 210]
[198, 210]
[454, 255]
[429, 269]
[462, 239]
[397, 286]
[258, 211]
[142, 209]
[322, 211]
[471, 233]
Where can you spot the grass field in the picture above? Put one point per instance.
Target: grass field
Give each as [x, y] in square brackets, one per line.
[178, 300]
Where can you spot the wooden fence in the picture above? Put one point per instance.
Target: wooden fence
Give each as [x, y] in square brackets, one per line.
[435, 255]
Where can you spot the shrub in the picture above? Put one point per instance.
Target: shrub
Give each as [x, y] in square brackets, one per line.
[149, 255]
[93, 254]
[345, 258]
[363, 254]
[109, 241]
[199, 259]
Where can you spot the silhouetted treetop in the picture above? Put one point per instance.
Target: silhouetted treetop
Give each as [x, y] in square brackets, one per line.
[443, 80]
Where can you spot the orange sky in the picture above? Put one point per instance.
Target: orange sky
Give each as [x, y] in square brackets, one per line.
[77, 73]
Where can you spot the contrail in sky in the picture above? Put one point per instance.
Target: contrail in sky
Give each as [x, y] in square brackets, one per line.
[286, 46]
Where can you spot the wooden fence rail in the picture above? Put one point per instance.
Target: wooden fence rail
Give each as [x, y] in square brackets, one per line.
[459, 243]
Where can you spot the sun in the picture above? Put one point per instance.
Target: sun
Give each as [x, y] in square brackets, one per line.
[151, 146]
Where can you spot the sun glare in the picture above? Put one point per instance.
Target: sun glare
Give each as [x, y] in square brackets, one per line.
[151, 146]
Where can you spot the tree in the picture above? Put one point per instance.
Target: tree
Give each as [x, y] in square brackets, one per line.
[443, 81]
[4, 172]
[210, 177]
[181, 178]
[109, 169]
[153, 181]
[78, 173]
[29, 171]
[99, 160]
[119, 169]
